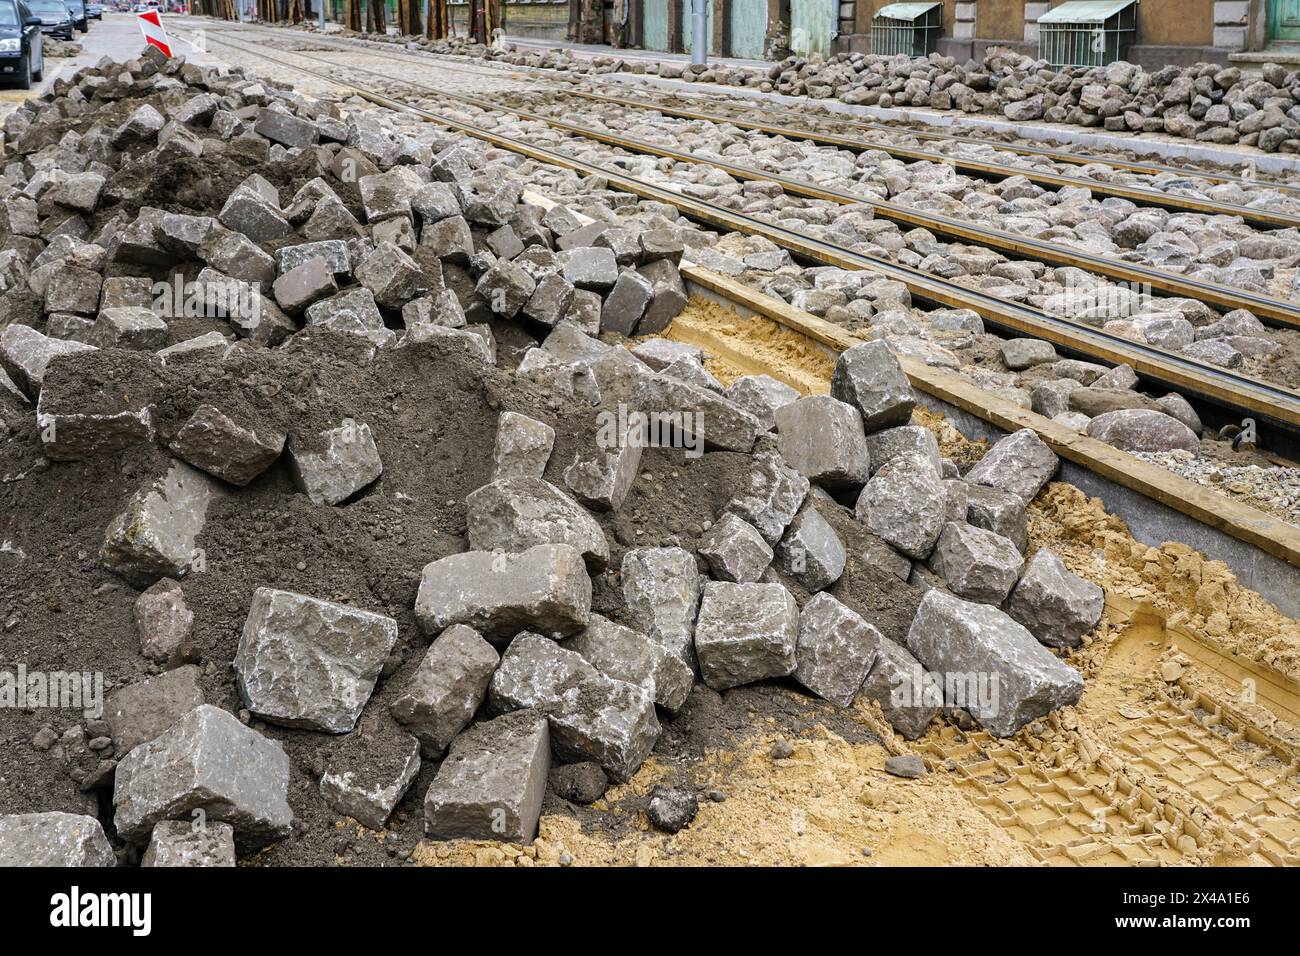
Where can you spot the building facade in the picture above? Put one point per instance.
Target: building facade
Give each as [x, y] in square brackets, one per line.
[1163, 31]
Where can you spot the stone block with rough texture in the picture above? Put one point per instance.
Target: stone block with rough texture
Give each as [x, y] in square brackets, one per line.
[1020, 463]
[1057, 605]
[835, 651]
[211, 762]
[870, 378]
[515, 514]
[304, 662]
[544, 589]
[822, 438]
[179, 843]
[624, 654]
[735, 551]
[211, 441]
[811, 552]
[446, 689]
[156, 535]
[772, 496]
[1007, 678]
[523, 447]
[335, 464]
[492, 783]
[978, 565]
[661, 591]
[53, 839]
[139, 712]
[365, 780]
[163, 621]
[905, 503]
[905, 691]
[745, 633]
[592, 716]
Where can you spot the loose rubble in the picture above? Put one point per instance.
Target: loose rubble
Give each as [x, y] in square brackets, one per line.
[466, 585]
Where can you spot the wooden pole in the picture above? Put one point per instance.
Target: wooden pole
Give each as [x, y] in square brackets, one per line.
[408, 17]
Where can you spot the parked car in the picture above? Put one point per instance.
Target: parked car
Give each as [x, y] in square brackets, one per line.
[80, 17]
[22, 50]
[54, 16]
[95, 11]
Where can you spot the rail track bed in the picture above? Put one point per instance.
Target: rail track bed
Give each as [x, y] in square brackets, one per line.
[1221, 395]
[814, 115]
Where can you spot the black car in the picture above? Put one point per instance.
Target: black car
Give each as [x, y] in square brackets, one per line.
[54, 16]
[22, 50]
[80, 15]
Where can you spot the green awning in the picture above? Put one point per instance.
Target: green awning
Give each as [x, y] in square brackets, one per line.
[905, 11]
[1085, 11]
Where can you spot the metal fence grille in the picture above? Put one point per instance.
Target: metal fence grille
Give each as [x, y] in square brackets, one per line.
[913, 30]
[1098, 42]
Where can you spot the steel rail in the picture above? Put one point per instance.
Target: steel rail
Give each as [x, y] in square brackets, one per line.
[1058, 155]
[1271, 404]
[1266, 308]
[1206, 505]
[1141, 195]
[1022, 149]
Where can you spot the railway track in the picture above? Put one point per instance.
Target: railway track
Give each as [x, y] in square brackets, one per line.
[1223, 394]
[988, 170]
[1021, 149]
[845, 122]
[1269, 309]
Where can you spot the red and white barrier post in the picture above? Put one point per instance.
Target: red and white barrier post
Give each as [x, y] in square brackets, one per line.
[154, 34]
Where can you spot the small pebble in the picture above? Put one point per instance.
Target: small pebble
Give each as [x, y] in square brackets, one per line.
[781, 749]
[671, 808]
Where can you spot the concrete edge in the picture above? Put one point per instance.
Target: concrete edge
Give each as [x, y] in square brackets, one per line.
[1154, 523]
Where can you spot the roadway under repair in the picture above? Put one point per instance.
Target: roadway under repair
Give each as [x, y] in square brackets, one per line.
[327, 416]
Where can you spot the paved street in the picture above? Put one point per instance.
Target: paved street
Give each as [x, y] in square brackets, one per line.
[117, 36]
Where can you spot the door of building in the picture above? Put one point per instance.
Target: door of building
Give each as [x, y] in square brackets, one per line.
[1284, 20]
[812, 26]
[654, 24]
[748, 28]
